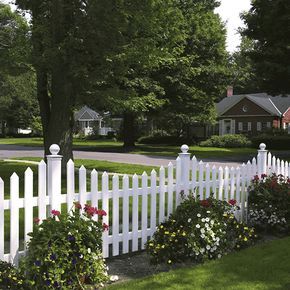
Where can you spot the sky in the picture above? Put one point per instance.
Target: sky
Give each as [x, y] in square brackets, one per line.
[230, 13]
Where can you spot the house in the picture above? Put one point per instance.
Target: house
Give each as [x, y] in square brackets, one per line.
[253, 113]
[88, 121]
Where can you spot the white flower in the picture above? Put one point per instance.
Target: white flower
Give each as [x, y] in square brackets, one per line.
[219, 256]
[198, 215]
[189, 220]
[81, 256]
[203, 220]
[90, 228]
[207, 219]
[202, 231]
[198, 226]
[208, 211]
[208, 247]
[202, 236]
[89, 250]
[202, 250]
[206, 225]
[114, 278]
[211, 222]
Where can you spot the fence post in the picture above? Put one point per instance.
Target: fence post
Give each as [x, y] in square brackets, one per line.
[54, 177]
[185, 162]
[262, 159]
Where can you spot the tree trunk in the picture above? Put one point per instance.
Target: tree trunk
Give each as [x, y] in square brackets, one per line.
[129, 130]
[3, 124]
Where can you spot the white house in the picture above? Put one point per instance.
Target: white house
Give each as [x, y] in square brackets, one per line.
[88, 119]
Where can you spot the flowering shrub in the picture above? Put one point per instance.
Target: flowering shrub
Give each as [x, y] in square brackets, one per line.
[199, 230]
[269, 203]
[11, 278]
[65, 250]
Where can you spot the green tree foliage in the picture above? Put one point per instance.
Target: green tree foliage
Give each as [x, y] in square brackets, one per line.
[197, 76]
[268, 24]
[18, 102]
[243, 76]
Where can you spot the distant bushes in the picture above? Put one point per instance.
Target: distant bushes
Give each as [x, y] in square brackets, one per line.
[227, 141]
[272, 142]
[165, 140]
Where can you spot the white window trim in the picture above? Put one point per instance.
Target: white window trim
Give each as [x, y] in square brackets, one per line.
[259, 126]
[249, 126]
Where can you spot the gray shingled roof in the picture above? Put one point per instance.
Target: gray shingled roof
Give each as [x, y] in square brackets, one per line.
[274, 105]
[86, 113]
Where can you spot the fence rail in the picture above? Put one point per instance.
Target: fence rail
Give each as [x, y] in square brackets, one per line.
[134, 204]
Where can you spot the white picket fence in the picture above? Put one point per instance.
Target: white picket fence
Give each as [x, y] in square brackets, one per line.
[137, 204]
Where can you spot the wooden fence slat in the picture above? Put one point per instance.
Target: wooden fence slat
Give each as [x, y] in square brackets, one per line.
[269, 163]
[42, 213]
[125, 228]
[207, 180]
[28, 197]
[193, 174]
[153, 203]
[135, 214]
[70, 184]
[232, 183]
[214, 181]
[178, 181]
[238, 184]
[226, 184]
[161, 194]
[82, 185]
[105, 207]
[94, 190]
[115, 213]
[221, 183]
[200, 180]
[144, 225]
[14, 218]
[170, 189]
[243, 191]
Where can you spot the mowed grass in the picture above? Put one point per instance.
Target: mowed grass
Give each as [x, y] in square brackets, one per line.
[158, 150]
[263, 267]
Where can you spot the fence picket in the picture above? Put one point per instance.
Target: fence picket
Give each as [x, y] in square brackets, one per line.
[144, 209]
[178, 181]
[221, 183]
[214, 181]
[193, 174]
[243, 190]
[238, 184]
[153, 203]
[273, 164]
[286, 168]
[42, 190]
[70, 184]
[125, 219]
[28, 204]
[232, 183]
[200, 179]
[226, 184]
[2, 221]
[14, 218]
[82, 185]
[170, 189]
[269, 163]
[282, 168]
[135, 213]
[207, 180]
[115, 213]
[105, 206]
[161, 194]
[278, 166]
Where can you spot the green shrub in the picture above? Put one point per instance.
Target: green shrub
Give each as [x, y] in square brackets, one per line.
[199, 230]
[65, 251]
[227, 141]
[269, 203]
[273, 142]
[11, 278]
[165, 140]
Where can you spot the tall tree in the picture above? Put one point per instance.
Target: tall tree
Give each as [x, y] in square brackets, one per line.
[268, 25]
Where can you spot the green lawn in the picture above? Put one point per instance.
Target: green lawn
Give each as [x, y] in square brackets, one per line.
[263, 267]
[161, 150]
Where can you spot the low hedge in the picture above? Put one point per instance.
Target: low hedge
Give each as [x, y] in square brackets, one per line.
[165, 140]
[273, 142]
[227, 141]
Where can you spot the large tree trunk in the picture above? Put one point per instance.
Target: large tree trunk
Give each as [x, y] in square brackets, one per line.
[129, 130]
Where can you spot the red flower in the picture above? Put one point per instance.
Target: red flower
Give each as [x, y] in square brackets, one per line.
[256, 178]
[105, 227]
[78, 205]
[36, 220]
[101, 212]
[205, 203]
[263, 175]
[55, 212]
[90, 210]
[232, 202]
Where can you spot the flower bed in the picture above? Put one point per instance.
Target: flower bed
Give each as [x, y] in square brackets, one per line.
[199, 230]
[269, 203]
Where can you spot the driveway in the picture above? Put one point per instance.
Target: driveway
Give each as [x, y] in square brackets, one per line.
[14, 151]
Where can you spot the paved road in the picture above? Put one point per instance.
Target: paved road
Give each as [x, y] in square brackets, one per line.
[14, 151]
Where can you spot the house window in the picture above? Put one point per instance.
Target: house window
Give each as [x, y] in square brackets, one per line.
[240, 124]
[269, 125]
[259, 126]
[245, 126]
[249, 126]
[264, 126]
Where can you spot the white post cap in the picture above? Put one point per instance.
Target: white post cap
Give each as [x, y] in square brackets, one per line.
[262, 146]
[184, 148]
[54, 149]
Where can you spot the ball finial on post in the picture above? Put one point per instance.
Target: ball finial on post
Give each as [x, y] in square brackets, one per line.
[184, 148]
[262, 146]
[54, 149]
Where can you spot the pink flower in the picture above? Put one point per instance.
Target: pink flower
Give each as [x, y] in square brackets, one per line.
[256, 178]
[55, 212]
[78, 205]
[36, 220]
[90, 210]
[105, 227]
[232, 202]
[101, 212]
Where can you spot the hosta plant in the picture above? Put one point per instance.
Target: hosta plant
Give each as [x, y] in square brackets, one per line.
[199, 230]
[269, 203]
[65, 250]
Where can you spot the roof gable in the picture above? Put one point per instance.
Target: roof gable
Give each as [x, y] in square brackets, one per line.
[85, 113]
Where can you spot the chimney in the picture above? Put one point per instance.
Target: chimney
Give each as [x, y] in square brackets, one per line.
[230, 91]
